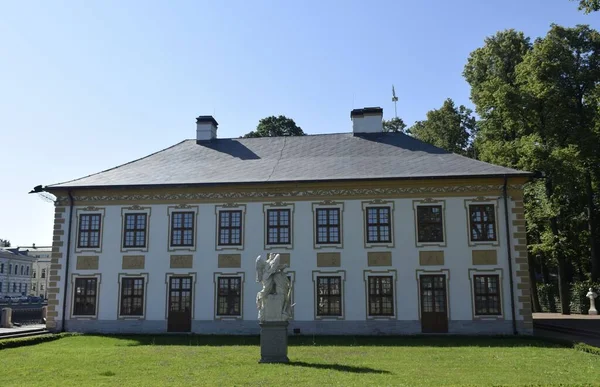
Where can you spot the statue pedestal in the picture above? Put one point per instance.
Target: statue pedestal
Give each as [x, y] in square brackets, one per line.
[273, 342]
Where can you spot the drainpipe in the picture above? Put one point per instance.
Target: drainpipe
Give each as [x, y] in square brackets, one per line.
[508, 249]
[64, 304]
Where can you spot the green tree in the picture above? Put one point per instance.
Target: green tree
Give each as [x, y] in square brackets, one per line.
[588, 6]
[448, 127]
[275, 127]
[4, 243]
[394, 125]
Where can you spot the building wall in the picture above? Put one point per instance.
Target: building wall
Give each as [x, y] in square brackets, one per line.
[14, 284]
[39, 283]
[458, 264]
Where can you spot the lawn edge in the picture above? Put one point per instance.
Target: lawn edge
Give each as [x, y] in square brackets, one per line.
[33, 340]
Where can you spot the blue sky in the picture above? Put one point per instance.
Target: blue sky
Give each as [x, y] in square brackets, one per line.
[88, 85]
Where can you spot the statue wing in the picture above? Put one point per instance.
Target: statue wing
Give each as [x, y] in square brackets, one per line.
[260, 268]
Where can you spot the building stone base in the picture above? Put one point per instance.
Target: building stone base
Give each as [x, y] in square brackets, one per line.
[343, 327]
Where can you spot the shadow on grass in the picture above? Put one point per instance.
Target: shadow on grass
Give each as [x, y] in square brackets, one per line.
[337, 367]
[343, 341]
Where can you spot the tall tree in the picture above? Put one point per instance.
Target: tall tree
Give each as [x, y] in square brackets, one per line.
[275, 127]
[448, 127]
[588, 6]
[4, 243]
[395, 124]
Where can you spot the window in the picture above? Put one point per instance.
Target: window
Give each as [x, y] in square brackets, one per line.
[9, 268]
[33, 287]
[43, 273]
[33, 274]
[89, 231]
[20, 288]
[429, 224]
[42, 287]
[182, 229]
[329, 296]
[328, 225]
[229, 296]
[135, 230]
[14, 287]
[487, 294]
[16, 269]
[482, 222]
[27, 271]
[132, 297]
[22, 269]
[230, 228]
[378, 225]
[278, 227]
[0, 286]
[1, 268]
[85, 297]
[381, 296]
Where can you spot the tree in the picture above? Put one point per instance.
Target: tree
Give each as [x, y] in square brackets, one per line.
[588, 6]
[448, 127]
[4, 243]
[394, 125]
[275, 127]
[538, 112]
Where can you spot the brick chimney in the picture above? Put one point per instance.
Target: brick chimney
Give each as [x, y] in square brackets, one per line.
[367, 120]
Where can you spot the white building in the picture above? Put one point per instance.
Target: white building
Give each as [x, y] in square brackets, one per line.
[384, 234]
[15, 272]
[40, 268]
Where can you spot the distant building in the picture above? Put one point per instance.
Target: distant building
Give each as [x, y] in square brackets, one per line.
[15, 272]
[41, 268]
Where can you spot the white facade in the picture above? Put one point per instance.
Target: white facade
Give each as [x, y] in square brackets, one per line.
[353, 260]
[40, 273]
[15, 273]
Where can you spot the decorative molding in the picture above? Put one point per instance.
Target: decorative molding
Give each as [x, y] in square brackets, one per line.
[230, 260]
[329, 259]
[87, 262]
[181, 261]
[379, 258]
[485, 257]
[431, 258]
[297, 193]
[133, 262]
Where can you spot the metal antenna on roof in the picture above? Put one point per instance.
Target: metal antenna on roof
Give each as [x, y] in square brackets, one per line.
[395, 100]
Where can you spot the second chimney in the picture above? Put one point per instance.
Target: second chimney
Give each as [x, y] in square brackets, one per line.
[206, 128]
[367, 120]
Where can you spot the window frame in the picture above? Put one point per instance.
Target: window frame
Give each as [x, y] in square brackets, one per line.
[90, 211]
[74, 279]
[367, 275]
[230, 227]
[230, 207]
[316, 274]
[216, 278]
[278, 227]
[132, 276]
[178, 209]
[278, 206]
[135, 211]
[497, 220]
[328, 281]
[430, 203]
[491, 272]
[324, 206]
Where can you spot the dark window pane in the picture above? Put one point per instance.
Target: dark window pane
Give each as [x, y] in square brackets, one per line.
[430, 224]
[89, 231]
[229, 295]
[378, 225]
[230, 228]
[486, 290]
[328, 226]
[483, 222]
[182, 229]
[85, 297]
[381, 296]
[329, 296]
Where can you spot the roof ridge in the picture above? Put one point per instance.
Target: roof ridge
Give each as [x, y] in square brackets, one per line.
[119, 166]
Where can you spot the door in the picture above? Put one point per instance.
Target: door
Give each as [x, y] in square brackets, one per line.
[180, 304]
[434, 309]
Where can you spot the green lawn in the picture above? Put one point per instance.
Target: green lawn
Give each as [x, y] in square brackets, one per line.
[205, 360]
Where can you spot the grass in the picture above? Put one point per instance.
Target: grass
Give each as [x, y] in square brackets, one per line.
[209, 360]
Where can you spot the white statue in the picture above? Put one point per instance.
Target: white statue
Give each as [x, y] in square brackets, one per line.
[274, 300]
[592, 295]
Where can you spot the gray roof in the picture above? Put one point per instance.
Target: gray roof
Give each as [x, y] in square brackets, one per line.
[277, 159]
